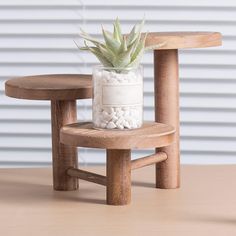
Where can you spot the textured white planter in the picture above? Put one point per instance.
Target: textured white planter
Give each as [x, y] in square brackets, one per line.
[117, 98]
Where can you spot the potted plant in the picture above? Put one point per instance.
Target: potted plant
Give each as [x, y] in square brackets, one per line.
[118, 82]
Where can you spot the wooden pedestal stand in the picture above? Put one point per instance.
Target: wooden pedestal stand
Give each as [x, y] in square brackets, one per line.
[62, 91]
[118, 145]
[167, 157]
[163, 136]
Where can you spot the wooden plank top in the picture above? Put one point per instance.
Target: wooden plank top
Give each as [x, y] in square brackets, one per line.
[178, 40]
[50, 87]
[150, 135]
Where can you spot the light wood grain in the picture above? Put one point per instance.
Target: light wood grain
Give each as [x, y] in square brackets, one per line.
[167, 111]
[63, 156]
[148, 160]
[118, 177]
[205, 204]
[50, 87]
[88, 176]
[150, 135]
[178, 40]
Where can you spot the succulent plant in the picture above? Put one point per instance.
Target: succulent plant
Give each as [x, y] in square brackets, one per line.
[117, 50]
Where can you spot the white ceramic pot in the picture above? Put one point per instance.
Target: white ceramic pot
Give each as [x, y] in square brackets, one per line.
[117, 98]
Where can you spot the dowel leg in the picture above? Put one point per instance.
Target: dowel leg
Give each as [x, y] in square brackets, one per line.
[63, 156]
[118, 177]
[167, 111]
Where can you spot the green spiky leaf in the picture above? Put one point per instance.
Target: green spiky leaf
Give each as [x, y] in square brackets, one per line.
[118, 51]
[107, 53]
[123, 59]
[89, 38]
[110, 42]
[135, 32]
[116, 34]
[132, 35]
[99, 55]
[118, 29]
[139, 48]
[123, 46]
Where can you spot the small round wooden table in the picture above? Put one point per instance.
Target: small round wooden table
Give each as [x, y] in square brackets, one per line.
[62, 91]
[118, 145]
[166, 90]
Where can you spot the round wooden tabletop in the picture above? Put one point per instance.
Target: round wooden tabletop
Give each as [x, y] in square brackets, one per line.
[150, 135]
[177, 40]
[50, 87]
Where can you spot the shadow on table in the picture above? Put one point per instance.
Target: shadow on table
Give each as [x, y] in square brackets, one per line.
[16, 191]
[207, 217]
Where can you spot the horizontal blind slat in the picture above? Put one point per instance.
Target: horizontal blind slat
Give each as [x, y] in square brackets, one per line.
[36, 37]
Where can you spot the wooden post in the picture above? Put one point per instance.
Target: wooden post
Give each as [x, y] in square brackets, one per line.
[167, 111]
[148, 160]
[118, 177]
[88, 176]
[63, 156]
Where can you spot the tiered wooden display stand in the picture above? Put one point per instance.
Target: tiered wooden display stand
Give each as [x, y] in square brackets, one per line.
[63, 90]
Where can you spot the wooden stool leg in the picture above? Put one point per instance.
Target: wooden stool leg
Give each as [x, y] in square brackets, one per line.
[167, 111]
[118, 177]
[63, 156]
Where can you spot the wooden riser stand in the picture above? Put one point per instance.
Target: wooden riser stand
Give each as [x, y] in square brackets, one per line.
[63, 90]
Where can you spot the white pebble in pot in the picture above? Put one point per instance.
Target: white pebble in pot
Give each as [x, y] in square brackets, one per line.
[118, 100]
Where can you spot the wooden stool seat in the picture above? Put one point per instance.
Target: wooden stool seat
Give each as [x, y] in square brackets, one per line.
[177, 40]
[50, 87]
[118, 145]
[150, 135]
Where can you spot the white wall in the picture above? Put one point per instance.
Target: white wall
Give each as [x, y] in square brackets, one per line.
[36, 37]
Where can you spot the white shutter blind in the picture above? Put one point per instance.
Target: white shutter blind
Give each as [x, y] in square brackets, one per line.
[36, 37]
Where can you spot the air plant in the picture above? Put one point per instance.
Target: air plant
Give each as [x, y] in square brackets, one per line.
[118, 51]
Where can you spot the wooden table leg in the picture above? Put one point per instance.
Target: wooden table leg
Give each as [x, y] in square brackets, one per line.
[63, 156]
[118, 177]
[167, 111]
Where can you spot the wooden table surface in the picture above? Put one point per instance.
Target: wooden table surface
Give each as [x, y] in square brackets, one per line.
[204, 205]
